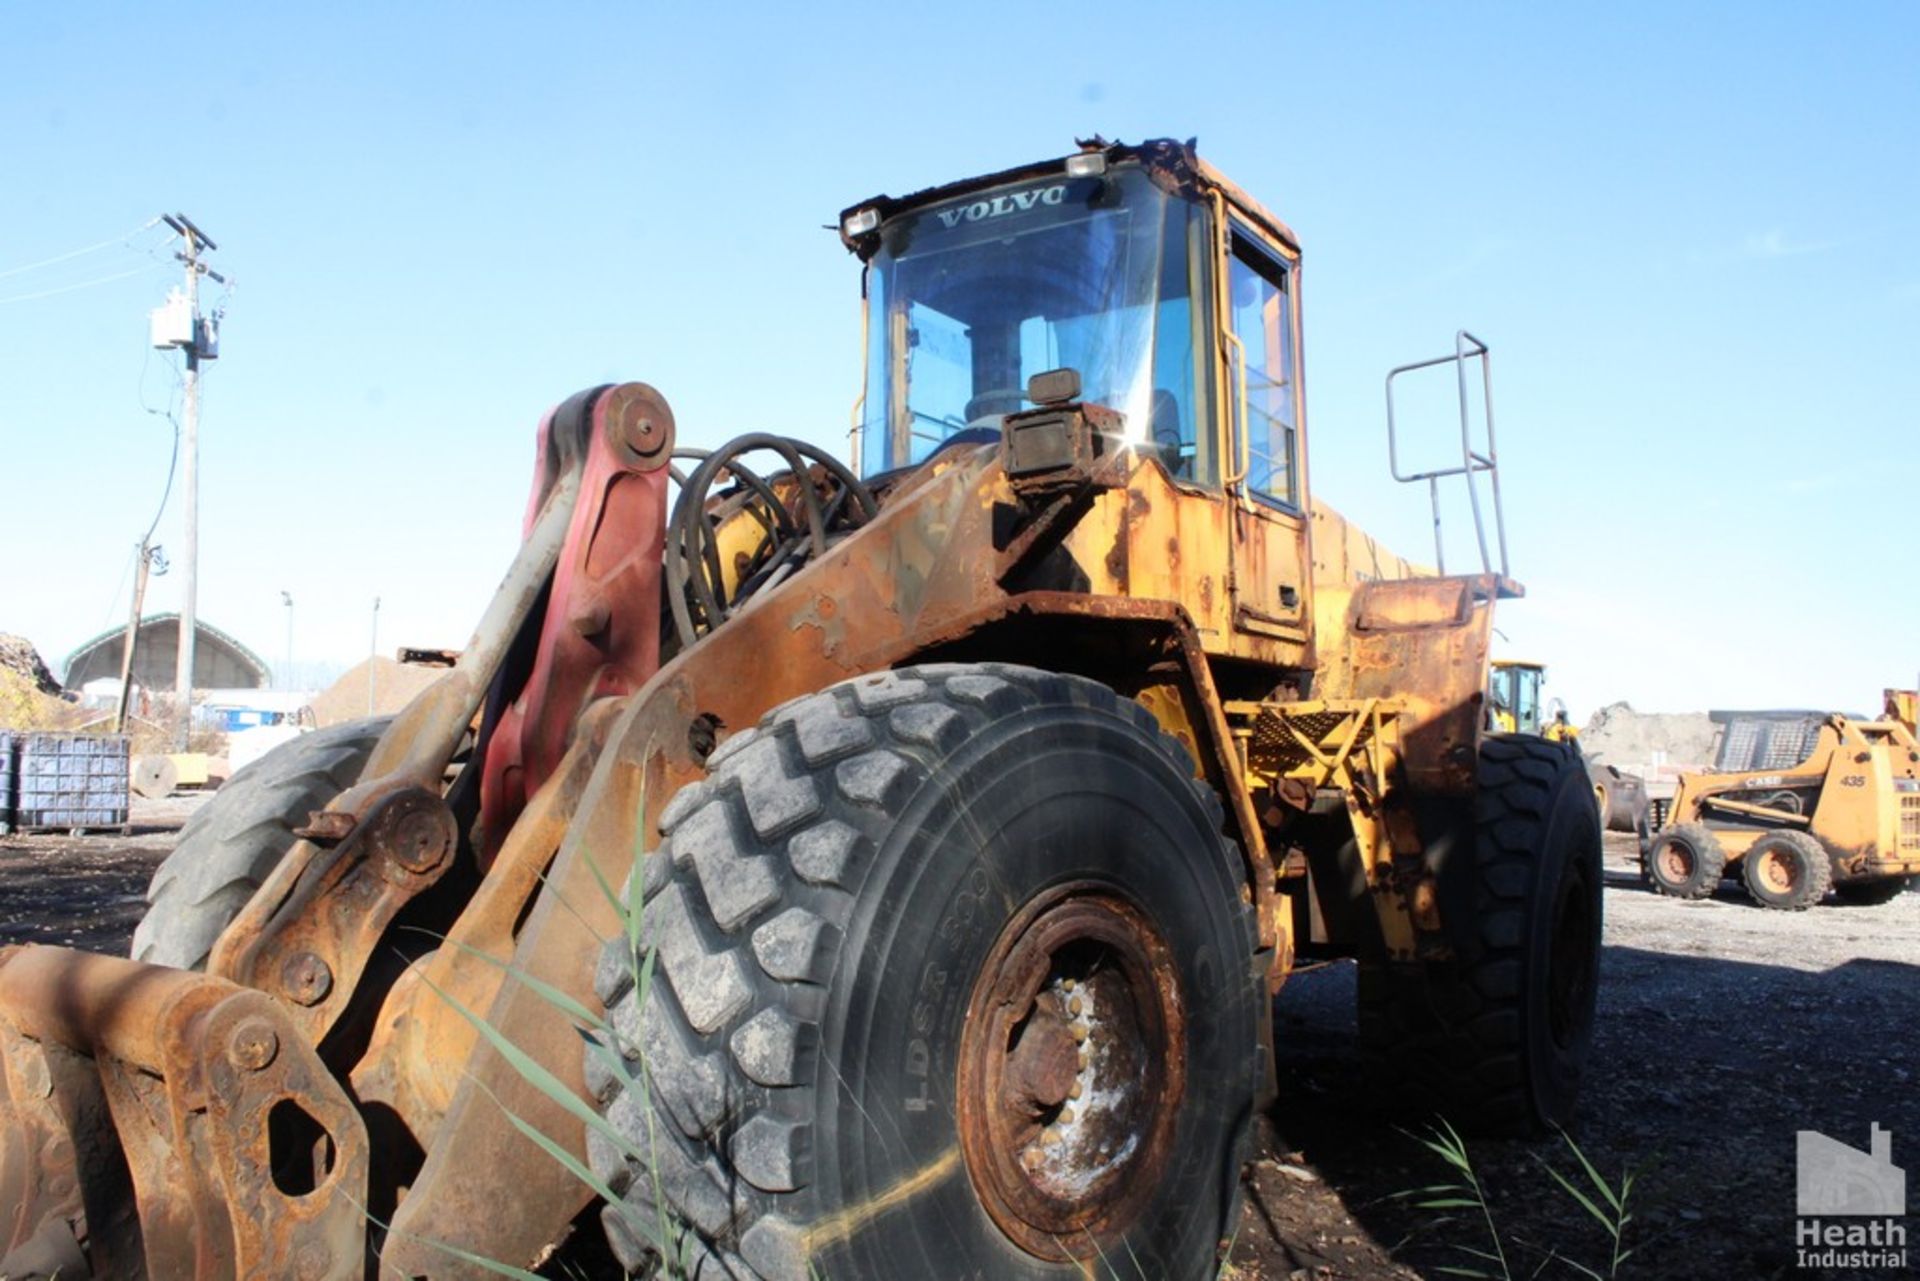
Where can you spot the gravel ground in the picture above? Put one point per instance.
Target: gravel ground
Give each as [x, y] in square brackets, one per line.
[1723, 1029]
[86, 891]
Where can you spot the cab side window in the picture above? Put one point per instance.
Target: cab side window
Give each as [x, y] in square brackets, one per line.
[1260, 298]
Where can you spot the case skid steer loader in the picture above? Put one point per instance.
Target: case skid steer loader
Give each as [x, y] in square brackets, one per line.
[856, 872]
[1797, 804]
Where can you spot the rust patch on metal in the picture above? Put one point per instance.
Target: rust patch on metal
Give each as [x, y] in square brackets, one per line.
[242, 1155]
[1072, 1072]
[326, 932]
[326, 826]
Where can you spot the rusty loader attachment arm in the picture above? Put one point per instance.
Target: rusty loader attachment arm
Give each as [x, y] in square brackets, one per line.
[200, 1124]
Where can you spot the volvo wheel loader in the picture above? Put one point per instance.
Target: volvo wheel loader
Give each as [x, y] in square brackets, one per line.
[1515, 705]
[1797, 804]
[856, 871]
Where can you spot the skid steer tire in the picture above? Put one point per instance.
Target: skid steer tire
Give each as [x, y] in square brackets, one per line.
[1872, 893]
[1790, 871]
[1495, 1039]
[846, 917]
[1684, 861]
[239, 835]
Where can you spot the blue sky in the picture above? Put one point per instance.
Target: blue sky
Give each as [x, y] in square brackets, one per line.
[1688, 231]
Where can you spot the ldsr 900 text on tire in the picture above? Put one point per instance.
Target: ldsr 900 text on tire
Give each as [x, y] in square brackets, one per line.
[954, 978]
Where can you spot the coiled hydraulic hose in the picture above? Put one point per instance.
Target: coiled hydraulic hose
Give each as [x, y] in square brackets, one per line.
[802, 510]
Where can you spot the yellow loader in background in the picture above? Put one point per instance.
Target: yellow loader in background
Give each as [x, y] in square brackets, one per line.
[1515, 706]
[1903, 705]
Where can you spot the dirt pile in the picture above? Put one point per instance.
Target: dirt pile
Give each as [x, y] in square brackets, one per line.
[29, 696]
[17, 655]
[24, 707]
[394, 685]
[1617, 735]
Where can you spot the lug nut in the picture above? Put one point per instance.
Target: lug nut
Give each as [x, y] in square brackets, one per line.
[1050, 1136]
[1066, 1116]
[1075, 1005]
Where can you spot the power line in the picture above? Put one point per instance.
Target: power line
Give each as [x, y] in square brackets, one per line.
[84, 284]
[113, 605]
[173, 462]
[81, 252]
[173, 391]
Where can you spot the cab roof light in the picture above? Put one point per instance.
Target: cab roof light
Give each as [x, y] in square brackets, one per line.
[859, 223]
[1087, 164]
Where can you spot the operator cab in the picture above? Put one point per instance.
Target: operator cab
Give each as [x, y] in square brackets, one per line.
[1513, 696]
[1103, 263]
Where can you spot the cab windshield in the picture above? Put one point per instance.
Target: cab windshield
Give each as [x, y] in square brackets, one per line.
[969, 298]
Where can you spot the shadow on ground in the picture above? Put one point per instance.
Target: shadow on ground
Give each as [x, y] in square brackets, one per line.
[1703, 1070]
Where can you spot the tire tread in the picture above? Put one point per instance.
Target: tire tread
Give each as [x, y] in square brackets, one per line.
[230, 844]
[1447, 1037]
[782, 946]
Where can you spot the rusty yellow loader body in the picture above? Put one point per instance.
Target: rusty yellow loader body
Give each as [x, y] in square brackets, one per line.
[856, 871]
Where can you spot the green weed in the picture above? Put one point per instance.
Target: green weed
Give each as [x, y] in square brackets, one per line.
[1608, 1204]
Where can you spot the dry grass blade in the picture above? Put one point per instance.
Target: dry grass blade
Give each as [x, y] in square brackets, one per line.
[568, 1160]
[1445, 1142]
[451, 1251]
[545, 991]
[1617, 1200]
[1585, 1202]
[1611, 1211]
[540, 1077]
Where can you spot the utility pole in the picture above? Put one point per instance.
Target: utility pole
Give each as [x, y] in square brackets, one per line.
[154, 561]
[286, 598]
[198, 346]
[373, 653]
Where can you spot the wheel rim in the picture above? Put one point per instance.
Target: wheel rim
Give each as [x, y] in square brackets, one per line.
[1778, 871]
[1072, 1070]
[1570, 960]
[1675, 862]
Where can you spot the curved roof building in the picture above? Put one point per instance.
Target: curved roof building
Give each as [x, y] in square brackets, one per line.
[219, 661]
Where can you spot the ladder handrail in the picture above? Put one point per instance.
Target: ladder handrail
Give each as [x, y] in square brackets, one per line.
[1465, 347]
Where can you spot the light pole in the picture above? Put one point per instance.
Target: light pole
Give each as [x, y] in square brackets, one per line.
[373, 652]
[286, 598]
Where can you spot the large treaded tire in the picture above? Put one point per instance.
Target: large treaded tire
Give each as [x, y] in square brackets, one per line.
[232, 842]
[1808, 871]
[818, 913]
[1684, 861]
[1496, 1038]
